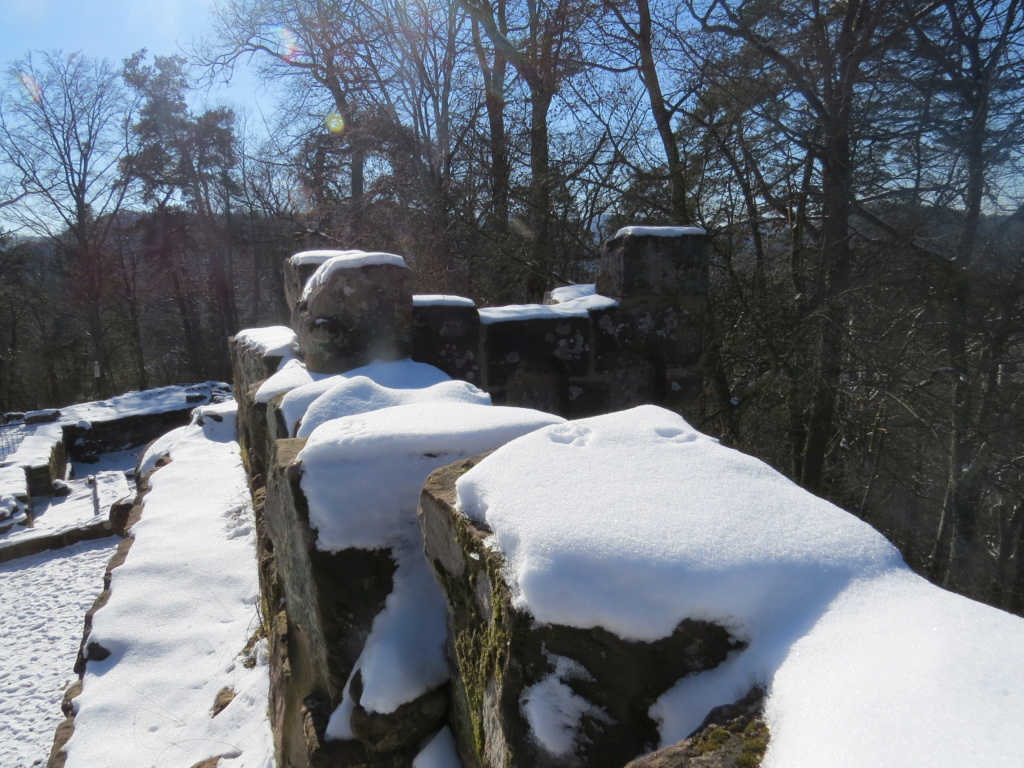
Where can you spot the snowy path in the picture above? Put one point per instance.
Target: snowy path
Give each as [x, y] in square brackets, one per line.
[43, 600]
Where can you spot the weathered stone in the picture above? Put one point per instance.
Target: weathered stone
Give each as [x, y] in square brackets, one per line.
[121, 516]
[41, 476]
[250, 368]
[58, 757]
[448, 337]
[536, 384]
[731, 736]
[405, 727]
[322, 753]
[42, 417]
[673, 335]
[331, 598]
[649, 269]
[37, 544]
[498, 652]
[543, 344]
[357, 316]
[295, 277]
[224, 697]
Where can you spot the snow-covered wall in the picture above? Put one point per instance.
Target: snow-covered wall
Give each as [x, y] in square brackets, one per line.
[340, 437]
[637, 336]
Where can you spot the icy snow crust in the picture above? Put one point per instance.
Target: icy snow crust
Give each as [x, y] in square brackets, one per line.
[182, 608]
[570, 292]
[348, 260]
[272, 341]
[291, 375]
[399, 374]
[146, 401]
[362, 475]
[576, 307]
[441, 300]
[319, 257]
[660, 231]
[361, 394]
[634, 521]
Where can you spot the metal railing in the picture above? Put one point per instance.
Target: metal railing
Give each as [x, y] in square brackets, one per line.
[11, 436]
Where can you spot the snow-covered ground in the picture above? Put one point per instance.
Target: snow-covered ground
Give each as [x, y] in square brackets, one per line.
[43, 600]
[182, 620]
[180, 623]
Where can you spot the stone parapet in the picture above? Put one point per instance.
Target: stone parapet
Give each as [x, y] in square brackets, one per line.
[356, 316]
[498, 652]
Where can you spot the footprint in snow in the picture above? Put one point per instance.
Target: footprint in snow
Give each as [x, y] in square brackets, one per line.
[676, 435]
[570, 434]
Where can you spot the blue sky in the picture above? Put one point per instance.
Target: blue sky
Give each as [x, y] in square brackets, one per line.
[112, 29]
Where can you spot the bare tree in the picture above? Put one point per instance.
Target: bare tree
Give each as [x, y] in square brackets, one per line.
[63, 122]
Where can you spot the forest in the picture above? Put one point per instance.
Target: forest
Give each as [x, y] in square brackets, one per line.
[856, 162]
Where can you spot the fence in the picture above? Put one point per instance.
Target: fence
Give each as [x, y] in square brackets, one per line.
[11, 436]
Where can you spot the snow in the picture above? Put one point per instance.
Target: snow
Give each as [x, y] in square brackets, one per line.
[87, 504]
[657, 523]
[570, 292]
[578, 307]
[398, 374]
[272, 341]
[360, 394]
[319, 257]
[182, 609]
[404, 655]
[13, 481]
[660, 231]
[349, 260]
[553, 710]
[38, 444]
[43, 600]
[291, 375]
[441, 300]
[144, 402]
[440, 752]
[362, 474]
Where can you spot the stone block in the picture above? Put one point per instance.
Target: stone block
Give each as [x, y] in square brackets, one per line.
[653, 269]
[587, 397]
[41, 476]
[672, 335]
[85, 444]
[448, 337]
[498, 652]
[249, 369]
[355, 317]
[295, 277]
[557, 343]
[331, 600]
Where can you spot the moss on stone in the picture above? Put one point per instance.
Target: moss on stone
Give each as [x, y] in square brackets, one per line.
[714, 741]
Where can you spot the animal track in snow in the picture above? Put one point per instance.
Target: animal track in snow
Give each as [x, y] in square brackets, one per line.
[570, 434]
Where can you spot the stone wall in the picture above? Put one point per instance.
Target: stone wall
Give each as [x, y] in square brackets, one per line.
[647, 349]
[87, 443]
[319, 607]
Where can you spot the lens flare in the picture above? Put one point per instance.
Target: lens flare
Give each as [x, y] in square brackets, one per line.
[31, 87]
[287, 43]
[335, 123]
